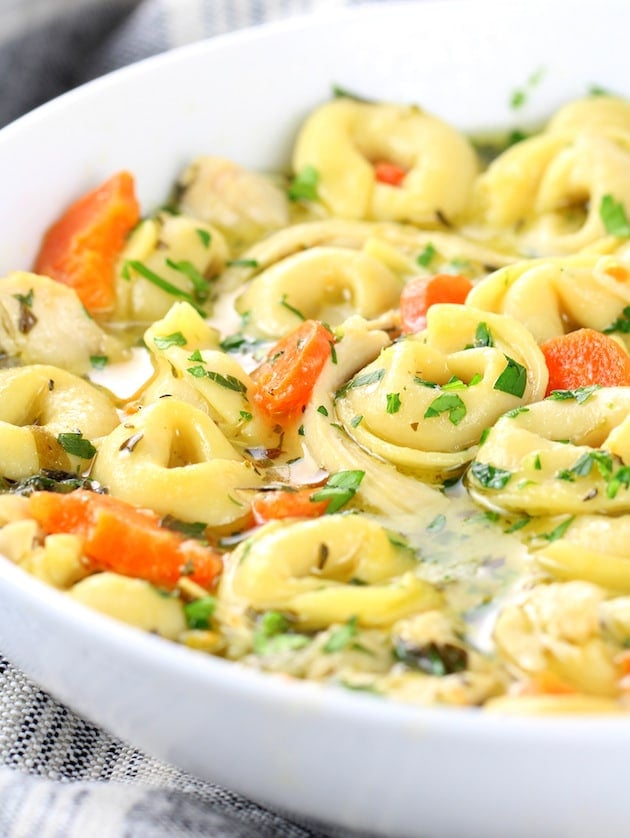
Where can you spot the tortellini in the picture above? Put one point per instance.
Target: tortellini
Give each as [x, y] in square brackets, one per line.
[424, 402]
[566, 454]
[560, 628]
[49, 418]
[36, 316]
[342, 140]
[172, 458]
[234, 199]
[553, 296]
[549, 189]
[324, 571]
[324, 283]
[167, 257]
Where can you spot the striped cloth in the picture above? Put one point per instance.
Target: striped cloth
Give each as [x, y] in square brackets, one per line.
[61, 777]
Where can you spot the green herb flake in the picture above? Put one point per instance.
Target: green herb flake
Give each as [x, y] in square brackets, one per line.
[438, 659]
[621, 324]
[199, 612]
[437, 524]
[449, 403]
[272, 635]
[75, 444]
[513, 379]
[245, 415]
[356, 421]
[292, 309]
[99, 362]
[191, 529]
[489, 476]
[174, 339]
[201, 289]
[483, 335]
[197, 372]
[580, 394]
[25, 299]
[322, 409]
[159, 282]
[196, 356]
[242, 263]
[230, 382]
[559, 531]
[613, 216]
[427, 256]
[511, 414]
[537, 462]
[339, 489]
[303, 186]
[205, 236]
[341, 637]
[476, 379]
[518, 524]
[393, 402]
[361, 381]
[518, 99]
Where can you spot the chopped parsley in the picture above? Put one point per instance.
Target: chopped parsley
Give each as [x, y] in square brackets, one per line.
[303, 186]
[199, 612]
[558, 531]
[449, 403]
[580, 394]
[230, 382]
[75, 444]
[341, 637]
[292, 309]
[199, 284]
[205, 236]
[427, 256]
[339, 489]
[489, 476]
[483, 336]
[361, 381]
[432, 658]
[513, 379]
[242, 263]
[613, 216]
[393, 402]
[356, 421]
[159, 282]
[273, 635]
[174, 339]
[621, 324]
[194, 529]
[99, 362]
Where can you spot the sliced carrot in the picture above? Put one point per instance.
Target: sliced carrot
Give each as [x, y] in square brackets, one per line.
[389, 173]
[282, 503]
[126, 540]
[285, 381]
[618, 272]
[585, 357]
[545, 683]
[420, 294]
[81, 247]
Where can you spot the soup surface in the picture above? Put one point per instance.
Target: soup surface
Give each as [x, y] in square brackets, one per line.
[364, 423]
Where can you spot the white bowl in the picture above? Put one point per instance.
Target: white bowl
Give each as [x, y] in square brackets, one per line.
[350, 759]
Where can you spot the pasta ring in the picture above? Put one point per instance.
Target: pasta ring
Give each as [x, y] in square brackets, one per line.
[172, 458]
[308, 568]
[38, 403]
[343, 138]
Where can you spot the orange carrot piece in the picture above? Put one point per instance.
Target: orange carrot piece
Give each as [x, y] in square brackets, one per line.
[81, 247]
[545, 683]
[585, 357]
[389, 173]
[285, 381]
[126, 540]
[281, 503]
[420, 294]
